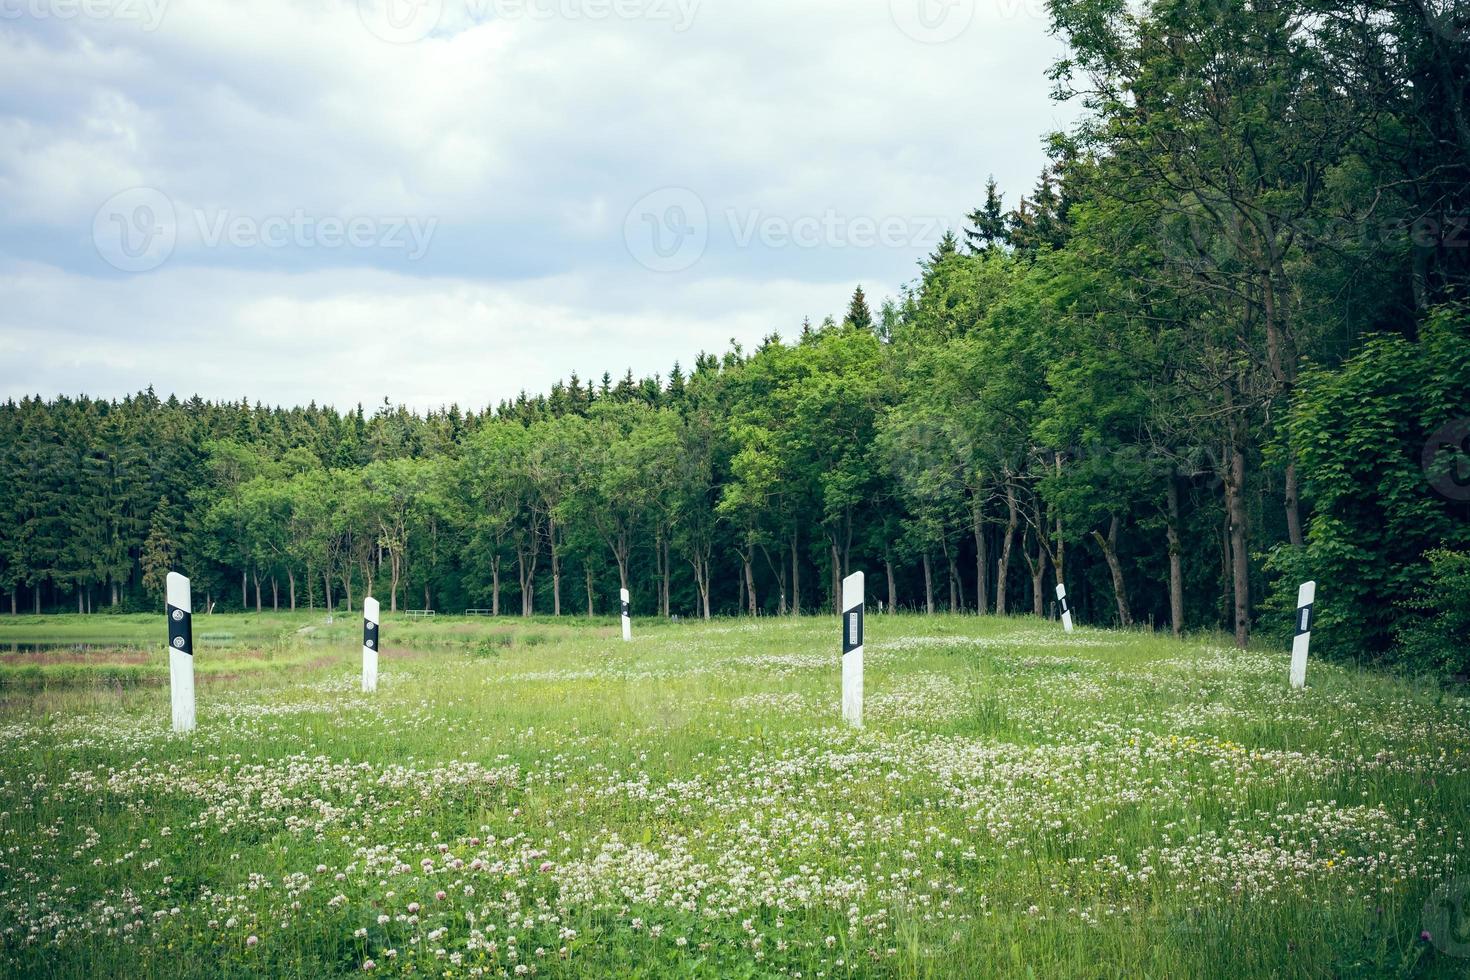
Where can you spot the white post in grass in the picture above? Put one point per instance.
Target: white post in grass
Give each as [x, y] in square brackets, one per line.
[1305, 596]
[627, 616]
[179, 609]
[370, 645]
[852, 649]
[1066, 612]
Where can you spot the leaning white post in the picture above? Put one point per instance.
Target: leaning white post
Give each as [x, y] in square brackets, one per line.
[1305, 596]
[627, 616]
[179, 609]
[369, 645]
[1066, 612]
[852, 649]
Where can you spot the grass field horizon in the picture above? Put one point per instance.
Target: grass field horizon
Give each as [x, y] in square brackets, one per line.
[535, 797]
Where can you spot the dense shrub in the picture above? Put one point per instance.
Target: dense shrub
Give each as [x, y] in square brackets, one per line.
[1363, 433]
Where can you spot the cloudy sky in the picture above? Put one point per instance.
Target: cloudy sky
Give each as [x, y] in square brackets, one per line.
[452, 200]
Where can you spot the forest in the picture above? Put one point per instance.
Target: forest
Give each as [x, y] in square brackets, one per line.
[1220, 347]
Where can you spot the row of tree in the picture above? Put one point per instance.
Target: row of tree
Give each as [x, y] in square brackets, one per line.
[1219, 348]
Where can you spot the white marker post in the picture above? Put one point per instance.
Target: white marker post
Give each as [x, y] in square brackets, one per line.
[370, 645]
[627, 616]
[1305, 596]
[1066, 612]
[852, 649]
[179, 611]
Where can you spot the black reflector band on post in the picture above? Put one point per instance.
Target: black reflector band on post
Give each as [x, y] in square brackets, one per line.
[180, 630]
[1304, 620]
[627, 609]
[369, 634]
[852, 629]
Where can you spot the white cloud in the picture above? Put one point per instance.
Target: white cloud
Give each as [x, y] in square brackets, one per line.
[344, 336]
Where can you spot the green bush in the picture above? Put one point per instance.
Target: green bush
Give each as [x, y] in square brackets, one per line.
[1437, 636]
[1361, 434]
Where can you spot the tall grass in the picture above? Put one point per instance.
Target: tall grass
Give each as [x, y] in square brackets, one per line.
[1019, 803]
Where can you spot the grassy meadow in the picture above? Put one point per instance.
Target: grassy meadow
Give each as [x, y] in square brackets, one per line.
[537, 798]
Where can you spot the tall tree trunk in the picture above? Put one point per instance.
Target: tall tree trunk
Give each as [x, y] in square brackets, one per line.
[114, 593]
[954, 581]
[1293, 507]
[255, 577]
[779, 570]
[892, 585]
[666, 577]
[1109, 546]
[1038, 577]
[795, 576]
[749, 559]
[275, 595]
[1059, 559]
[555, 573]
[1239, 559]
[587, 569]
[982, 558]
[1176, 560]
[396, 569]
[620, 555]
[428, 603]
[704, 590]
[658, 572]
[700, 563]
[836, 577]
[244, 590]
[495, 585]
[37, 597]
[291, 586]
[526, 575]
[928, 586]
[1281, 363]
[81, 601]
[327, 595]
[1003, 571]
[346, 589]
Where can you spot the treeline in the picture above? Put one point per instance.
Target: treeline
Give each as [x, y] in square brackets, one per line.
[1221, 347]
